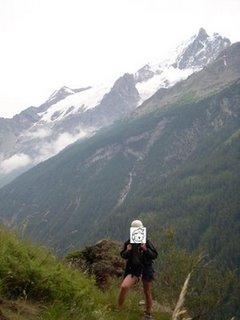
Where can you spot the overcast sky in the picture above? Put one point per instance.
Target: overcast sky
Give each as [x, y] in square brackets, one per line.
[46, 44]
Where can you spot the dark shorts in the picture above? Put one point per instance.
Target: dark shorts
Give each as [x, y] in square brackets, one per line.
[147, 273]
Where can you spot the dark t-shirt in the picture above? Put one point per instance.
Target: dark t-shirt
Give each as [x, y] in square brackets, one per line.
[139, 262]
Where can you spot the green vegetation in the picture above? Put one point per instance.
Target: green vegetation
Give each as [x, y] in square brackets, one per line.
[212, 294]
[185, 170]
[36, 285]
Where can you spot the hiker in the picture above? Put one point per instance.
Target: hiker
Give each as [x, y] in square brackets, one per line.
[139, 263]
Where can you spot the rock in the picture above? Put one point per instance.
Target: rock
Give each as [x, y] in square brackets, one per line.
[157, 307]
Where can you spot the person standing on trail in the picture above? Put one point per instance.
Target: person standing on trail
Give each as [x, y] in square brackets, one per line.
[139, 265]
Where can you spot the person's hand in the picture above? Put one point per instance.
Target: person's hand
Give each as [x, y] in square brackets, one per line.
[144, 247]
[129, 247]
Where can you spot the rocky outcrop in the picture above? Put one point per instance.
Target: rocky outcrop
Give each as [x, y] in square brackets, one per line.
[202, 50]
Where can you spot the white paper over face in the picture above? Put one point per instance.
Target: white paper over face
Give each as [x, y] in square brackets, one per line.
[138, 235]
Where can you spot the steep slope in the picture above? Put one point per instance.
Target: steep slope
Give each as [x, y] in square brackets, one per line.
[224, 70]
[35, 284]
[175, 166]
[72, 114]
[68, 115]
[190, 56]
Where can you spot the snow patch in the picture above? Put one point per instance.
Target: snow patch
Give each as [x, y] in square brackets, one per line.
[64, 89]
[75, 103]
[167, 78]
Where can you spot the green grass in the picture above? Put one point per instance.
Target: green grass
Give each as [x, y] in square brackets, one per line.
[34, 284]
[20, 310]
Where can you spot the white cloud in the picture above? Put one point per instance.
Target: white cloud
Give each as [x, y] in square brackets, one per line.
[38, 134]
[43, 151]
[49, 149]
[17, 161]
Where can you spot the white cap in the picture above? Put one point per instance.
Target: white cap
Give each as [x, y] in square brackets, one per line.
[137, 224]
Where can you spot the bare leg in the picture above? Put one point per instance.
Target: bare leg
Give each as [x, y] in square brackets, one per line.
[127, 283]
[147, 287]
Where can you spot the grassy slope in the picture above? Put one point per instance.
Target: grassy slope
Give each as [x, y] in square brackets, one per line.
[34, 284]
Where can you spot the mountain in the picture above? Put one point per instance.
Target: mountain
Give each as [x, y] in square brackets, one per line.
[215, 76]
[176, 165]
[68, 115]
[190, 56]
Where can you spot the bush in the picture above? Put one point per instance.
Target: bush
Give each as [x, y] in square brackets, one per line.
[32, 272]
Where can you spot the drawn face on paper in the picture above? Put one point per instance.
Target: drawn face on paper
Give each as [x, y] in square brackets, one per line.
[138, 235]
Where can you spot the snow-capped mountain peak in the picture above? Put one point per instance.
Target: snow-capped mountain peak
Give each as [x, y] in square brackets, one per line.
[202, 34]
[69, 114]
[63, 91]
[190, 56]
[202, 50]
[74, 101]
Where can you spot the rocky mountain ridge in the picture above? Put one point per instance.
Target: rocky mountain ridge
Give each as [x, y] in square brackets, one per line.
[68, 115]
[102, 176]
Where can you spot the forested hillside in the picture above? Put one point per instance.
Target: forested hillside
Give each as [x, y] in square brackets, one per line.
[175, 166]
